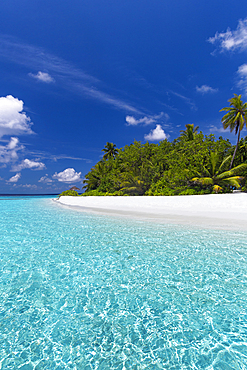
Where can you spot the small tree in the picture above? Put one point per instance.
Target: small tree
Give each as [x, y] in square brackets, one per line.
[190, 131]
[110, 151]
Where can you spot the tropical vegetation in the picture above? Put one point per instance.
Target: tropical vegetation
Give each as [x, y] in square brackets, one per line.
[216, 175]
[184, 166]
[69, 193]
[190, 131]
[193, 163]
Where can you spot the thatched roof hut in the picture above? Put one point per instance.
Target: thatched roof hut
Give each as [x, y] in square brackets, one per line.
[74, 188]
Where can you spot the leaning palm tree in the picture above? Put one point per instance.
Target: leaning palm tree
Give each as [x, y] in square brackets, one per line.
[190, 131]
[216, 177]
[235, 118]
[110, 151]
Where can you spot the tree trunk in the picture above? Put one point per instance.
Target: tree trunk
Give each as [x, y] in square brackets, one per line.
[235, 151]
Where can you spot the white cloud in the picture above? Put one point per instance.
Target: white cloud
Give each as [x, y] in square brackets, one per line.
[12, 120]
[242, 70]
[132, 121]
[204, 89]
[27, 163]
[214, 128]
[156, 134]
[42, 76]
[8, 153]
[185, 99]
[68, 175]
[15, 178]
[29, 186]
[232, 40]
[45, 180]
[242, 73]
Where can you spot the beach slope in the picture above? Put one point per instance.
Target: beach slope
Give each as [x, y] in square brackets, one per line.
[215, 210]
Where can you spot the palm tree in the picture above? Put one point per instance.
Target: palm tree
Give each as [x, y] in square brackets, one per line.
[216, 176]
[110, 151]
[190, 131]
[133, 185]
[235, 118]
[93, 178]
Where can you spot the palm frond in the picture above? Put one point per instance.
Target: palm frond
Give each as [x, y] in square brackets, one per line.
[203, 180]
[225, 109]
[233, 181]
[233, 171]
[225, 160]
[206, 172]
[214, 157]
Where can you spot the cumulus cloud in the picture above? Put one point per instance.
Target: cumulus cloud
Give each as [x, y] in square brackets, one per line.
[68, 175]
[242, 74]
[29, 186]
[132, 121]
[156, 134]
[204, 89]
[42, 76]
[242, 70]
[15, 178]
[232, 40]
[27, 163]
[214, 128]
[13, 120]
[9, 152]
[45, 179]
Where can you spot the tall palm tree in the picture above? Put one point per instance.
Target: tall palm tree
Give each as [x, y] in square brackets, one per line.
[216, 176]
[110, 151]
[190, 131]
[235, 118]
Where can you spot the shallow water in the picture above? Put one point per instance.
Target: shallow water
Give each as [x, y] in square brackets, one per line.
[81, 291]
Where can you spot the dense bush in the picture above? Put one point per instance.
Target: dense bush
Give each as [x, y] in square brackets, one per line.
[68, 193]
[101, 193]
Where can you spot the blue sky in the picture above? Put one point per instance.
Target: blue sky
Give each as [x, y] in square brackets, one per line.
[76, 74]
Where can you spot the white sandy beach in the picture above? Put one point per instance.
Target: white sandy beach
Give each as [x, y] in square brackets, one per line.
[227, 211]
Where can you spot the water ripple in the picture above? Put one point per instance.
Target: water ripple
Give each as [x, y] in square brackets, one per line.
[90, 292]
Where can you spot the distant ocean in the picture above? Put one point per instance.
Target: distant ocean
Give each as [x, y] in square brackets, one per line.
[86, 291]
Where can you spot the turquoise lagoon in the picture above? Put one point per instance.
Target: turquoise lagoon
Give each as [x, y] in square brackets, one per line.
[85, 291]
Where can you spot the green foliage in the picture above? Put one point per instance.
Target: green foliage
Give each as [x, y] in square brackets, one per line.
[189, 192]
[101, 193]
[190, 131]
[69, 193]
[110, 151]
[214, 176]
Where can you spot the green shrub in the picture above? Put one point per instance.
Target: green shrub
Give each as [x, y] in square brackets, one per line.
[98, 193]
[68, 193]
[188, 192]
[94, 192]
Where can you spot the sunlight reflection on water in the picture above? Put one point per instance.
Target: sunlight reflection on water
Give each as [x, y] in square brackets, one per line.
[81, 291]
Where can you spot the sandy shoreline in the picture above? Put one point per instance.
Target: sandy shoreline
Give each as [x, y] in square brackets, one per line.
[224, 211]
